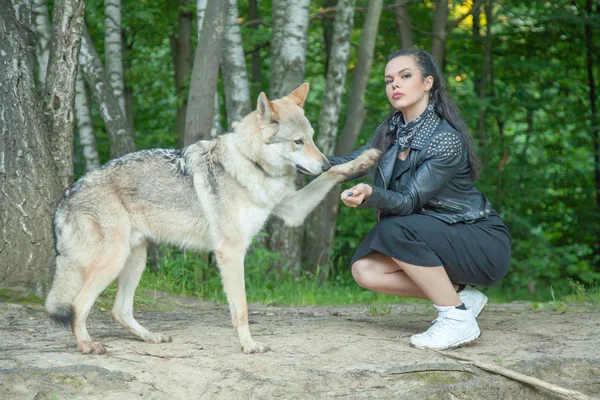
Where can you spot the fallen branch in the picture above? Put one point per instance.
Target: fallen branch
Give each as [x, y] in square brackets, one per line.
[567, 393]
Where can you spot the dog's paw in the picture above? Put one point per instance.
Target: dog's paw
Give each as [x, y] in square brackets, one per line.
[359, 164]
[158, 338]
[365, 160]
[90, 348]
[255, 348]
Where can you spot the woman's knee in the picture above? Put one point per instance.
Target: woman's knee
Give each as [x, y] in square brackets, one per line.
[362, 272]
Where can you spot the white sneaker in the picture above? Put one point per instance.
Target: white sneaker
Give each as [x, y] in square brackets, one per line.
[452, 328]
[473, 299]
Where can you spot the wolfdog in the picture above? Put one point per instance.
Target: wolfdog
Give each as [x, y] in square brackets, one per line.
[212, 195]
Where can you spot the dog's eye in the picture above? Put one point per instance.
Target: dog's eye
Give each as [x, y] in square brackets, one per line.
[299, 142]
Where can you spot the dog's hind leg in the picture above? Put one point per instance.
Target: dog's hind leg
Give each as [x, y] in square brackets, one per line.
[103, 270]
[230, 259]
[127, 282]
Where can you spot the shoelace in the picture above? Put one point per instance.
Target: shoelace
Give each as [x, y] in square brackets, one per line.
[439, 324]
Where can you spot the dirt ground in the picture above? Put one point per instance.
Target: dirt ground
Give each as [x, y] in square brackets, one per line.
[316, 353]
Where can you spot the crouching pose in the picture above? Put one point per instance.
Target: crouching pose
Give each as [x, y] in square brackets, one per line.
[437, 235]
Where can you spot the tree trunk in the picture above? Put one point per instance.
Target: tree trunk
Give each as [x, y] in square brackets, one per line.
[595, 129]
[403, 24]
[288, 60]
[216, 128]
[355, 114]
[440, 32]
[233, 69]
[128, 91]
[113, 50]
[205, 73]
[479, 79]
[320, 226]
[85, 127]
[43, 33]
[328, 32]
[181, 49]
[59, 93]
[484, 82]
[29, 186]
[253, 15]
[121, 141]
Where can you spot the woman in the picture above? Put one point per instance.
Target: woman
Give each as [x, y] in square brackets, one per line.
[436, 232]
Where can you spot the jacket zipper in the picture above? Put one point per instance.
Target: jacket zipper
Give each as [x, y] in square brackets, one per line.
[384, 188]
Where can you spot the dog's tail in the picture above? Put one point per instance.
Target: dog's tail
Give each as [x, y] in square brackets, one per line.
[66, 285]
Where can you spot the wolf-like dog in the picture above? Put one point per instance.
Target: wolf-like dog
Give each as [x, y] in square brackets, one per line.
[212, 195]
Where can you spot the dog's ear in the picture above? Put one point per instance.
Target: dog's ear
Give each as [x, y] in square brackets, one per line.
[299, 94]
[265, 108]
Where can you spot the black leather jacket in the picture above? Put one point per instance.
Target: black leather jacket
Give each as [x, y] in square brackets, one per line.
[435, 178]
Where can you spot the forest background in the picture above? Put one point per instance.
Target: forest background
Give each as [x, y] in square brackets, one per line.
[85, 82]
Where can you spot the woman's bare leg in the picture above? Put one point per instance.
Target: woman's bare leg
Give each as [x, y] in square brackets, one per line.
[384, 274]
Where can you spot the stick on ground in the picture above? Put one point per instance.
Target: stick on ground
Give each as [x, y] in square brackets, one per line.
[567, 393]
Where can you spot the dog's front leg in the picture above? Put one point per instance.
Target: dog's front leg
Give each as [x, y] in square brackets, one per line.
[295, 208]
[230, 259]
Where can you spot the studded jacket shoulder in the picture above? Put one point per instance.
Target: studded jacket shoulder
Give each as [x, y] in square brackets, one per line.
[435, 178]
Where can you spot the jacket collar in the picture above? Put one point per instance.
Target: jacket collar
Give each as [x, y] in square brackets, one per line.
[425, 129]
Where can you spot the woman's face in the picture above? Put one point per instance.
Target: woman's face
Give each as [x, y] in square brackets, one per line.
[405, 87]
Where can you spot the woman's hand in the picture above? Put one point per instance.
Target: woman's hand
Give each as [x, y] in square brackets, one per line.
[356, 195]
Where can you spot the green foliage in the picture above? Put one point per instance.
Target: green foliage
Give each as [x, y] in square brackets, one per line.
[534, 139]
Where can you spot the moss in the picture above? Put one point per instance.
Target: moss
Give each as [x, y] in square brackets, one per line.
[76, 383]
[19, 296]
[445, 378]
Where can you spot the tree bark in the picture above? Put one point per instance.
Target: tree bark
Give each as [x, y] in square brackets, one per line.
[43, 33]
[328, 32]
[440, 32]
[29, 186]
[121, 141]
[216, 128]
[288, 60]
[404, 25]
[59, 93]
[233, 69]
[356, 112]
[113, 50]
[85, 127]
[595, 129]
[205, 73]
[485, 81]
[181, 49]
[320, 225]
[253, 15]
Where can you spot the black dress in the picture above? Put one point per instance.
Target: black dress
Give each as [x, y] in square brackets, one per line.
[476, 253]
[472, 252]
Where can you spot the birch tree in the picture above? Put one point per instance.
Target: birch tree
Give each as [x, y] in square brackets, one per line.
[85, 127]
[29, 186]
[356, 112]
[205, 73]
[43, 33]
[288, 51]
[59, 93]
[113, 50]
[288, 59]
[233, 69]
[121, 140]
[320, 226]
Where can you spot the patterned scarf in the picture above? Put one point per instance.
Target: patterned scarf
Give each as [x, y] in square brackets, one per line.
[406, 131]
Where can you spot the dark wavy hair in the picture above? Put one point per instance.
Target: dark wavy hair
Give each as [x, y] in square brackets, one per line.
[444, 107]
